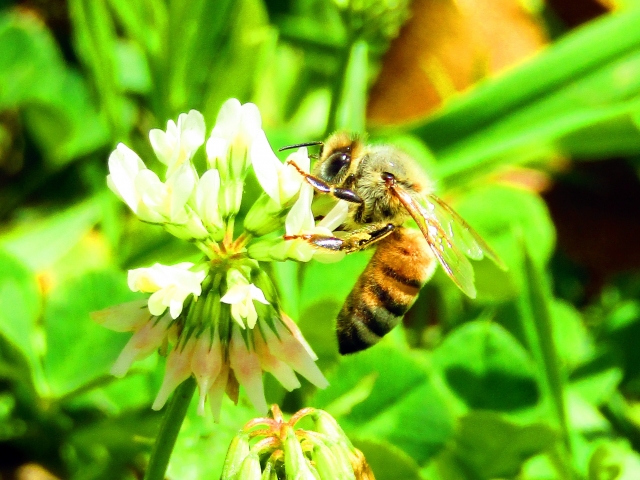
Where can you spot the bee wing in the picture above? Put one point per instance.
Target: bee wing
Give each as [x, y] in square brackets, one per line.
[465, 237]
[454, 262]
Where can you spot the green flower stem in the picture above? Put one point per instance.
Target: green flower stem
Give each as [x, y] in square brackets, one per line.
[169, 429]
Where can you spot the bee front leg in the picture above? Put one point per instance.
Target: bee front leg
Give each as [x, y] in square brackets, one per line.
[354, 241]
[323, 187]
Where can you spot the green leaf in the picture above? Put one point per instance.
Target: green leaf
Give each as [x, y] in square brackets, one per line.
[487, 367]
[20, 306]
[496, 211]
[614, 460]
[387, 461]
[79, 350]
[111, 447]
[599, 378]
[200, 434]
[404, 408]
[487, 446]
[574, 345]
[57, 108]
[40, 244]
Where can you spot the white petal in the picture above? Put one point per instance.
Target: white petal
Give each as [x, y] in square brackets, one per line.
[206, 198]
[124, 165]
[300, 217]
[250, 122]
[217, 150]
[257, 294]
[141, 344]
[290, 178]
[266, 166]
[336, 216]
[228, 121]
[161, 144]
[152, 191]
[251, 314]
[180, 187]
[217, 391]
[192, 131]
[235, 294]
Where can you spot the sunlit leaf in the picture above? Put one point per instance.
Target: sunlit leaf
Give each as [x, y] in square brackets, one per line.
[487, 367]
[405, 408]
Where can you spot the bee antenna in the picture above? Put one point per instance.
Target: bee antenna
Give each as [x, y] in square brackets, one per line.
[298, 145]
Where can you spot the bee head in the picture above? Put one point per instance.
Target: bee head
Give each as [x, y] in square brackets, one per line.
[336, 158]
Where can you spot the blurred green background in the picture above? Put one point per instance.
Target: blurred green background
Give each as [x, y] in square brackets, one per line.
[525, 113]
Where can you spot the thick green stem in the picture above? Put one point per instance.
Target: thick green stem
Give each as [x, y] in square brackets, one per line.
[169, 429]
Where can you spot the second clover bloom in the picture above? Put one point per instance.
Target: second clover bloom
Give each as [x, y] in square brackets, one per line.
[219, 318]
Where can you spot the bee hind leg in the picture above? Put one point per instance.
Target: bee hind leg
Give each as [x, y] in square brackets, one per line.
[354, 241]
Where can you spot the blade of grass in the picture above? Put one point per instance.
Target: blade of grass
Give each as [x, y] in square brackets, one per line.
[351, 109]
[96, 39]
[589, 77]
[534, 313]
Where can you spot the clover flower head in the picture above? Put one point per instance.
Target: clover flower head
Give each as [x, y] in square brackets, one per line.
[218, 318]
[286, 450]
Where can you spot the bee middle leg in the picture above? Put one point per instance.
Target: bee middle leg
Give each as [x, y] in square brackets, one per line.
[323, 187]
[354, 241]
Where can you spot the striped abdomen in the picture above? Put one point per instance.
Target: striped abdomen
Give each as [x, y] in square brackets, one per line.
[400, 266]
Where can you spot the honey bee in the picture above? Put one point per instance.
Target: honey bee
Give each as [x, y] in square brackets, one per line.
[385, 187]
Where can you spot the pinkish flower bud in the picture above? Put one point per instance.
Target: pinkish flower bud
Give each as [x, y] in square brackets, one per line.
[178, 369]
[141, 344]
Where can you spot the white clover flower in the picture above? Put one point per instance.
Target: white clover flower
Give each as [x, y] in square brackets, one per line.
[240, 295]
[281, 181]
[175, 146]
[170, 286]
[183, 311]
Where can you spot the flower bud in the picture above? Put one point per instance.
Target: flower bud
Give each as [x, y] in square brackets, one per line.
[328, 426]
[250, 468]
[238, 451]
[269, 472]
[296, 464]
[327, 465]
[230, 197]
[265, 216]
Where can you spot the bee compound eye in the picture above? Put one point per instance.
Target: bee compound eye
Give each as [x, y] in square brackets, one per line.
[335, 163]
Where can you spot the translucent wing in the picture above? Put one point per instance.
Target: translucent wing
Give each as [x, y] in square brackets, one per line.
[465, 237]
[450, 238]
